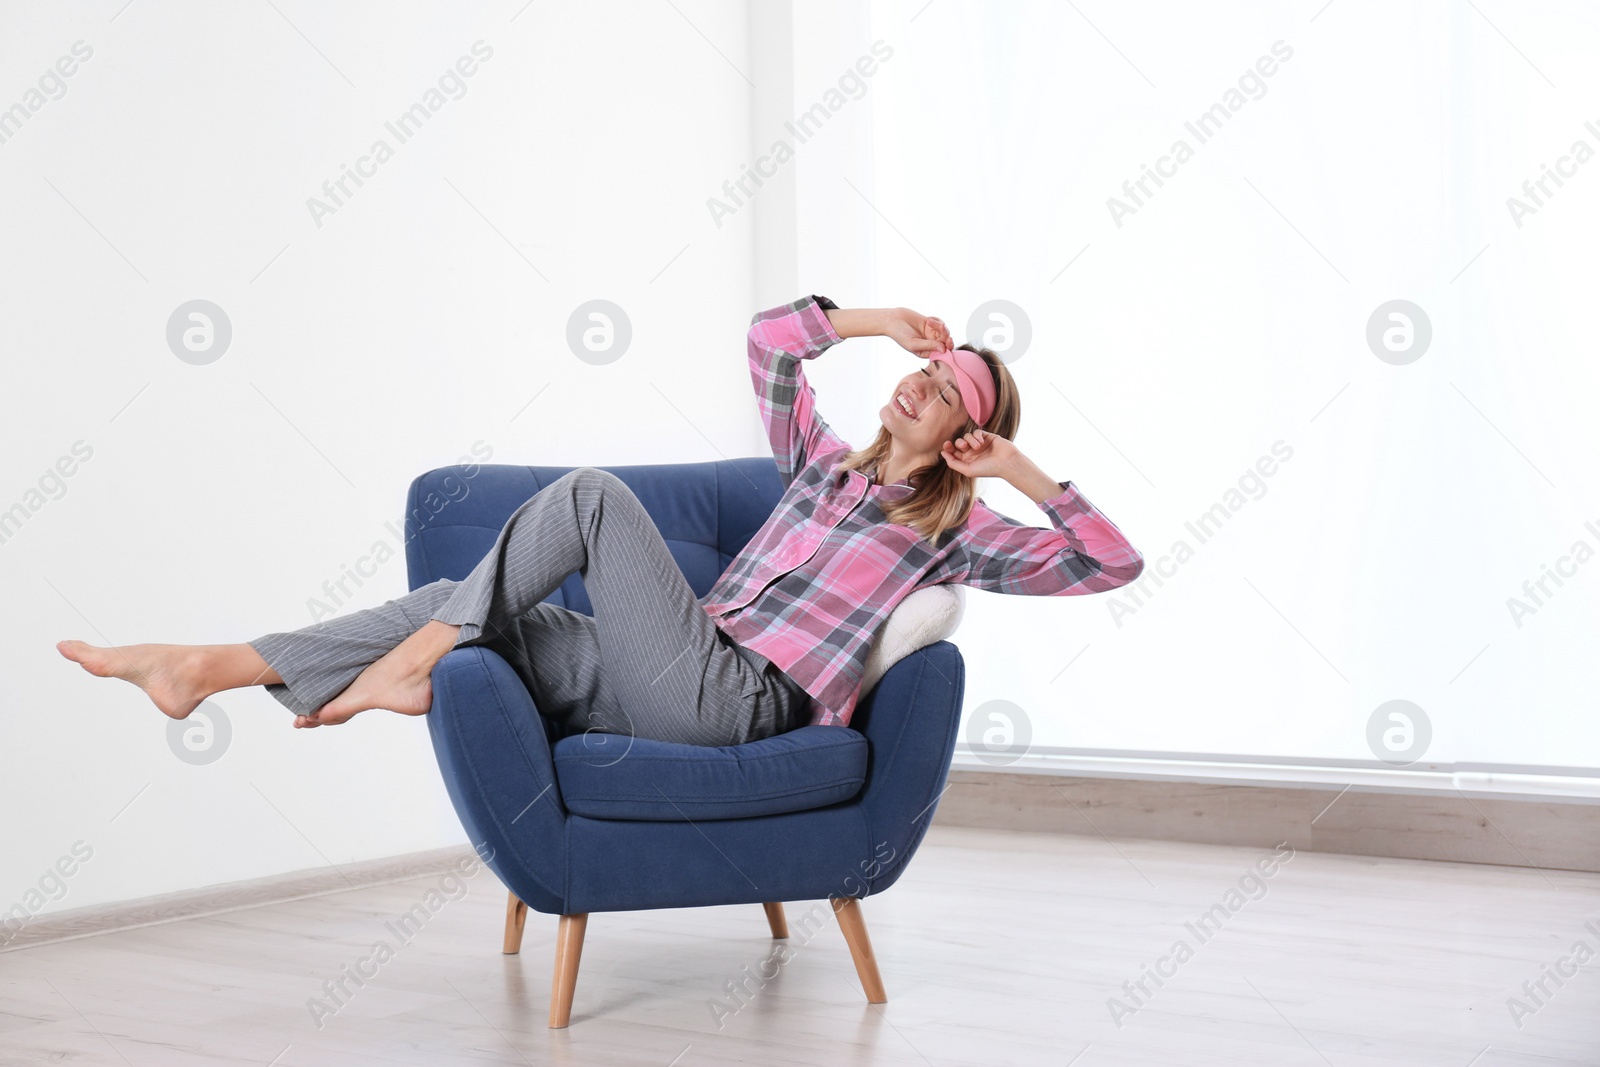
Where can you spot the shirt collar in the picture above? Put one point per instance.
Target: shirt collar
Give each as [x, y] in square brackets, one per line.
[871, 474]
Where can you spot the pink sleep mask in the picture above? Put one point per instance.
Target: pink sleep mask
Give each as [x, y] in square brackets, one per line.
[973, 379]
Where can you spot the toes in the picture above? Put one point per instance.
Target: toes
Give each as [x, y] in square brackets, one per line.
[331, 714]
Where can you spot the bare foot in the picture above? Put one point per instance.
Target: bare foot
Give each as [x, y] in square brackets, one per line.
[170, 675]
[400, 681]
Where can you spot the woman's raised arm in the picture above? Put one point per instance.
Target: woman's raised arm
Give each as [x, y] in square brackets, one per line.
[911, 331]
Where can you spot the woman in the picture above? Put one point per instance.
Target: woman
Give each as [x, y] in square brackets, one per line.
[782, 638]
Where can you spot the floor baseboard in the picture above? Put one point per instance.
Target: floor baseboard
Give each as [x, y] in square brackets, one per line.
[228, 896]
[1534, 833]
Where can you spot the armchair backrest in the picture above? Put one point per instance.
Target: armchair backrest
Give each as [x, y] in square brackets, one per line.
[706, 512]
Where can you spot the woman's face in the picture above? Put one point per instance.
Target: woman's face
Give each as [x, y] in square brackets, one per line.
[936, 403]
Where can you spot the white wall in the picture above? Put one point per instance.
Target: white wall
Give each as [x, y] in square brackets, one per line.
[1229, 313]
[418, 319]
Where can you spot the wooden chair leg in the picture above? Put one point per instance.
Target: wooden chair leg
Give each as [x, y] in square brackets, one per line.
[854, 927]
[775, 919]
[569, 948]
[516, 917]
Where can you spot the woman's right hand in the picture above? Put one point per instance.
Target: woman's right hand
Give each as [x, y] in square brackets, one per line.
[917, 334]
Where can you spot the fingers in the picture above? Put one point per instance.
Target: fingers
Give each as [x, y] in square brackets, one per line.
[927, 333]
[935, 330]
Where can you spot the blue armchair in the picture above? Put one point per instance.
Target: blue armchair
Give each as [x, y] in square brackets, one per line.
[601, 822]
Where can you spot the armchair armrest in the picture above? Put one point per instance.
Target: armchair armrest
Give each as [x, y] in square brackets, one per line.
[910, 720]
[494, 754]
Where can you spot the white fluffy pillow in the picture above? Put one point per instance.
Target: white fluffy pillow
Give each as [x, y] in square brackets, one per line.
[926, 615]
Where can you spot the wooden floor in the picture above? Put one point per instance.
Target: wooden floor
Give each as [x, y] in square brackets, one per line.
[997, 947]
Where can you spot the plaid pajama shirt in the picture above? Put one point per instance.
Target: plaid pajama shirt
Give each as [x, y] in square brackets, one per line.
[817, 581]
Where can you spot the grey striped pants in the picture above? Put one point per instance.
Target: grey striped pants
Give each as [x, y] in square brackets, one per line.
[648, 663]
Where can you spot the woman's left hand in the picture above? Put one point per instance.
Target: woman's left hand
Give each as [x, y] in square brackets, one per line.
[980, 454]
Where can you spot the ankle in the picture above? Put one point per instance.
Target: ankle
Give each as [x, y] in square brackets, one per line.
[198, 667]
[210, 669]
[429, 644]
[442, 636]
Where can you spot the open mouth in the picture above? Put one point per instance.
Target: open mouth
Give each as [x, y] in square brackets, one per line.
[903, 406]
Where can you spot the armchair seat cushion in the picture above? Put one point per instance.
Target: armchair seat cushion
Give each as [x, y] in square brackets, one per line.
[613, 776]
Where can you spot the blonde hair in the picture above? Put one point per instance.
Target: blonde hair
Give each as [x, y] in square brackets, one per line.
[943, 498]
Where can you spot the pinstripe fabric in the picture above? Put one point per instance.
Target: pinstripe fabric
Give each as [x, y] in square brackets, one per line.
[814, 585]
[648, 663]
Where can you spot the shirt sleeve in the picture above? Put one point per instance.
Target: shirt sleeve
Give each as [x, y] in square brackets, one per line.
[780, 338]
[1081, 552]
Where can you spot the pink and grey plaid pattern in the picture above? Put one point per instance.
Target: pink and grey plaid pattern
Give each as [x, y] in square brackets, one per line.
[819, 579]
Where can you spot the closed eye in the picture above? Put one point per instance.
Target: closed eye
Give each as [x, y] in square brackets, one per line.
[941, 391]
